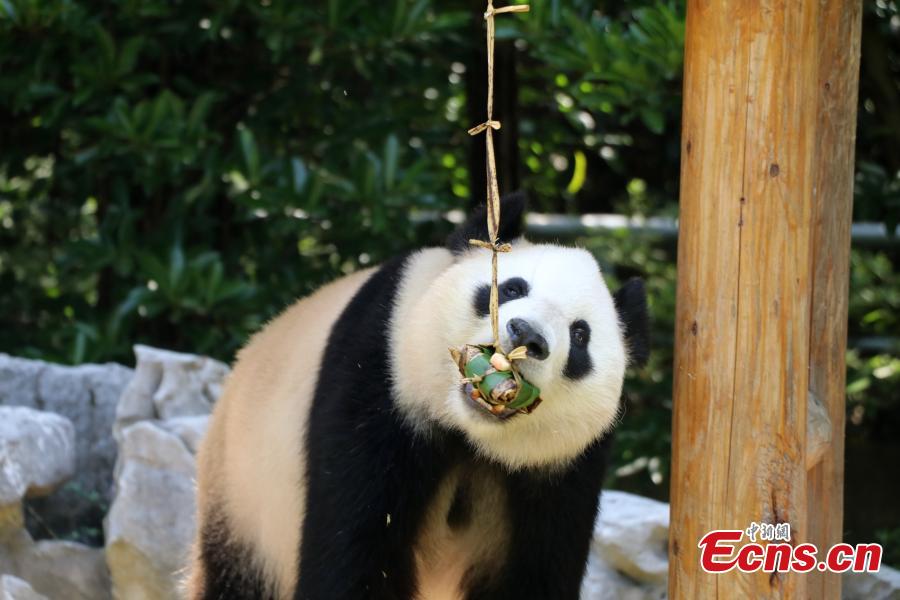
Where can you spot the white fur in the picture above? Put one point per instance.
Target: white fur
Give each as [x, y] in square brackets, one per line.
[446, 556]
[435, 313]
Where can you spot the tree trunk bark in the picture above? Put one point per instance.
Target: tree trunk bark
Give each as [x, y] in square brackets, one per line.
[766, 197]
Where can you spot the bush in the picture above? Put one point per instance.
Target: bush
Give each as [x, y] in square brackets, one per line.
[176, 174]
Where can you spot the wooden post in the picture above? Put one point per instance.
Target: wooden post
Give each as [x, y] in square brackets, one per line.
[766, 195]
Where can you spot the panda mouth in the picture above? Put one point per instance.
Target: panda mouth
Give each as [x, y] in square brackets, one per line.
[483, 408]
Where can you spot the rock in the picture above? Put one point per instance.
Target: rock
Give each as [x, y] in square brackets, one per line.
[13, 588]
[19, 381]
[883, 585]
[190, 429]
[151, 522]
[162, 416]
[159, 423]
[631, 534]
[67, 570]
[57, 569]
[603, 582]
[13, 547]
[169, 384]
[12, 520]
[628, 558]
[37, 453]
[87, 395]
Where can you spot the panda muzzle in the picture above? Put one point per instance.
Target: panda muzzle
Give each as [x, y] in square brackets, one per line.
[522, 333]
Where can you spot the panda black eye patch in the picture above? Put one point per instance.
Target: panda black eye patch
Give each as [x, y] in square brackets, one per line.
[579, 362]
[511, 289]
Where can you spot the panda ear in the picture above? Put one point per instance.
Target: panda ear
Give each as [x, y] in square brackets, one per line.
[512, 218]
[631, 304]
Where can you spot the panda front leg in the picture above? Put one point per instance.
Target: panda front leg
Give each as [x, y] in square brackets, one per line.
[365, 496]
[552, 522]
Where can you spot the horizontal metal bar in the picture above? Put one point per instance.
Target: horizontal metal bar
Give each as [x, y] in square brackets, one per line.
[569, 226]
[875, 344]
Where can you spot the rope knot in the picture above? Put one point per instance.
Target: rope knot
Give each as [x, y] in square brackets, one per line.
[513, 8]
[495, 125]
[493, 246]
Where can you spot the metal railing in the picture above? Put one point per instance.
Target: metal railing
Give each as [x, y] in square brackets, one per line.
[546, 225]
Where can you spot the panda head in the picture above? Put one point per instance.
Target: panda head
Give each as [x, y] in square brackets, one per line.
[554, 301]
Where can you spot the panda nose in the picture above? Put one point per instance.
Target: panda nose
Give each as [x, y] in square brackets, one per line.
[521, 333]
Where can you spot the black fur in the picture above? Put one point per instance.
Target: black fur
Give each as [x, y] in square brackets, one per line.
[228, 571]
[369, 478]
[631, 304]
[512, 222]
[365, 464]
[511, 289]
[578, 363]
[552, 522]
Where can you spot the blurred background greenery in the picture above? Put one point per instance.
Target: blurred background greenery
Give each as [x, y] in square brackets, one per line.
[176, 173]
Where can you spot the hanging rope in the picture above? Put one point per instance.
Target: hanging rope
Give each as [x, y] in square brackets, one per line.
[493, 192]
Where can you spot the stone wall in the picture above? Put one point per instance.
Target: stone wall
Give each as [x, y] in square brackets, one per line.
[87, 396]
[75, 438]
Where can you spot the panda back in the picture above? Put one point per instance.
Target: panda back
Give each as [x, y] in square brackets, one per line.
[251, 468]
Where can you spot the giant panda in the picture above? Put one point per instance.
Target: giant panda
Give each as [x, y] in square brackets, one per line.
[344, 459]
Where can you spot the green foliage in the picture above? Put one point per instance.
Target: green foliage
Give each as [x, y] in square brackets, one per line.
[601, 87]
[176, 174]
[877, 195]
[878, 172]
[873, 367]
[611, 66]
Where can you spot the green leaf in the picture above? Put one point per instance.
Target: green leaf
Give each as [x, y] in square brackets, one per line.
[334, 13]
[399, 20]
[391, 151]
[129, 55]
[654, 120]
[858, 386]
[299, 174]
[200, 110]
[579, 173]
[9, 11]
[106, 43]
[176, 266]
[250, 153]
